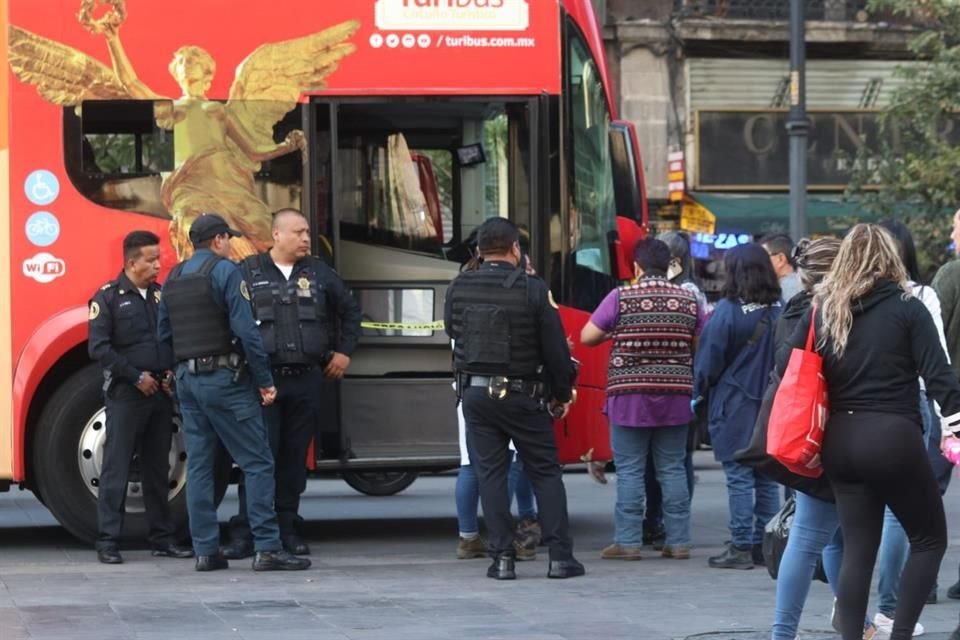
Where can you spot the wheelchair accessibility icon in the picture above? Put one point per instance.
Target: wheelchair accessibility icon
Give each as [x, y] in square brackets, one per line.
[42, 187]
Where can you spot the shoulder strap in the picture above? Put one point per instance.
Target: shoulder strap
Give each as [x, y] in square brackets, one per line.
[315, 264]
[250, 266]
[759, 329]
[209, 265]
[512, 278]
[176, 271]
[263, 263]
[811, 334]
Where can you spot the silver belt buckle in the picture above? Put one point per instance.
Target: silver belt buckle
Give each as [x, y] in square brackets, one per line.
[498, 387]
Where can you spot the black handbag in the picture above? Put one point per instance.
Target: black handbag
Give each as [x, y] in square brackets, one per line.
[775, 536]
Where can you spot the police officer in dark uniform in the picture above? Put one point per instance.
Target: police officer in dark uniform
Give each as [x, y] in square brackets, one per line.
[123, 339]
[298, 302]
[206, 316]
[512, 364]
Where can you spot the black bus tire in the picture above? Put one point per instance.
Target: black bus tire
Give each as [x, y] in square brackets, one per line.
[57, 454]
[379, 483]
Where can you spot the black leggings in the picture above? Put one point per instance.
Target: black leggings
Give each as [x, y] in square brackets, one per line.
[875, 460]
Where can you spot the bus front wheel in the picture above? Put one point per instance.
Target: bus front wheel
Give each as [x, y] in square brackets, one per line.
[379, 483]
[68, 456]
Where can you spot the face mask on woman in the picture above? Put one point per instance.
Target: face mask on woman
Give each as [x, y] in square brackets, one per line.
[674, 269]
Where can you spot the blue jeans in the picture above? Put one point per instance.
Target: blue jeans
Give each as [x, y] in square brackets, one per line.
[217, 409]
[520, 487]
[815, 530]
[467, 494]
[630, 449]
[894, 545]
[468, 497]
[754, 499]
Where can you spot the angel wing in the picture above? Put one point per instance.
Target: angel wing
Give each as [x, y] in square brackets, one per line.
[269, 81]
[61, 74]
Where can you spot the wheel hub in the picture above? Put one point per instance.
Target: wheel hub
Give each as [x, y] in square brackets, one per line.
[90, 461]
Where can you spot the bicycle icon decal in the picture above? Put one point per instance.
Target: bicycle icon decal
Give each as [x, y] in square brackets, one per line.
[42, 228]
[42, 187]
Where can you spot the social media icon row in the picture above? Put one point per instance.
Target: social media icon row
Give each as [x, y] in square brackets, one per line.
[393, 40]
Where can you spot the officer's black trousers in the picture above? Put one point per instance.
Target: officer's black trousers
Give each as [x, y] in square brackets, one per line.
[291, 422]
[491, 424]
[135, 419]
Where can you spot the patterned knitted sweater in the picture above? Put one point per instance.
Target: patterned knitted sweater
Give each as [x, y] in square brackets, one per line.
[652, 350]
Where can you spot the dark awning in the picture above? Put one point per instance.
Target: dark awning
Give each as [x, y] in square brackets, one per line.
[760, 214]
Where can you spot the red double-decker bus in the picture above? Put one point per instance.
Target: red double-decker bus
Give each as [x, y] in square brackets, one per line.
[397, 126]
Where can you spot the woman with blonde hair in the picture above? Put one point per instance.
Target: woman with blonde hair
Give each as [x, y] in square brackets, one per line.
[815, 529]
[875, 338]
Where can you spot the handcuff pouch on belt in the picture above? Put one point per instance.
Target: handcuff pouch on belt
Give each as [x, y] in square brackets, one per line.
[208, 364]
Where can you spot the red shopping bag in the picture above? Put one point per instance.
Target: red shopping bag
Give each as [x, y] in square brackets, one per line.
[799, 412]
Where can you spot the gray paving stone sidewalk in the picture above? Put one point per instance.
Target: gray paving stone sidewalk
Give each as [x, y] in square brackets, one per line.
[385, 570]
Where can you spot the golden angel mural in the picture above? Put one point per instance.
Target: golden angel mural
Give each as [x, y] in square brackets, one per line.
[217, 146]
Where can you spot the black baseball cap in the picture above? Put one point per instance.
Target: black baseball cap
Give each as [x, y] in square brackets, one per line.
[210, 225]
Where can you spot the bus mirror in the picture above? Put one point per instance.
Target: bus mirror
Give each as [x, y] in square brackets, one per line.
[471, 154]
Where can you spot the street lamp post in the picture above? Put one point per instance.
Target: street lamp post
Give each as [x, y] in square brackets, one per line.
[797, 123]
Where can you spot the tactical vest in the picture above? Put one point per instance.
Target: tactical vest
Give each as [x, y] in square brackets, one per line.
[652, 341]
[200, 327]
[291, 314]
[494, 323]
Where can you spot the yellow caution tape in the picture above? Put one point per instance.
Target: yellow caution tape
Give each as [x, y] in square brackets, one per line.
[437, 325]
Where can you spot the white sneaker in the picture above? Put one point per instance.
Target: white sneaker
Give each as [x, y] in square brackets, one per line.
[885, 627]
[833, 617]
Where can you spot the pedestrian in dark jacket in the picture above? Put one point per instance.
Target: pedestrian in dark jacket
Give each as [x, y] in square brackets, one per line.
[875, 338]
[733, 363]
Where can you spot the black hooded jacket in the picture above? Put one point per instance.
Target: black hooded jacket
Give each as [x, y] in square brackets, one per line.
[892, 341]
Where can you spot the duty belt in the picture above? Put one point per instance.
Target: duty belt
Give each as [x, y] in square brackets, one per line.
[498, 387]
[208, 364]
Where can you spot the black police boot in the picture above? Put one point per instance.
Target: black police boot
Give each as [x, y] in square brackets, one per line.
[237, 549]
[733, 557]
[295, 545]
[172, 550]
[279, 561]
[953, 592]
[569, 568]
[756, 554]
[211, 563]
[503, 568]
[109, 556]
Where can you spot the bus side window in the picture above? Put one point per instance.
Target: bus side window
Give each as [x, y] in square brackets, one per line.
[114, 154]
[118, 153]
[592, 211]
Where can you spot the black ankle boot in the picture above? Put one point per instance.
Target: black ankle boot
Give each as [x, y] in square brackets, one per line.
[502, 568]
